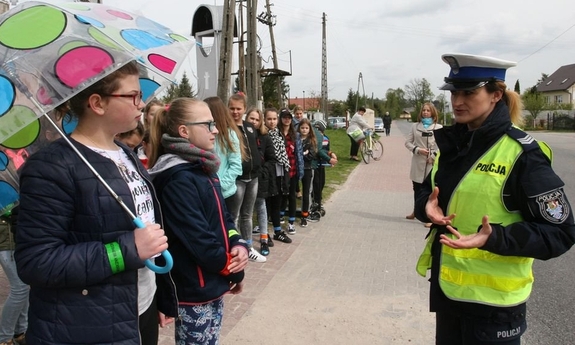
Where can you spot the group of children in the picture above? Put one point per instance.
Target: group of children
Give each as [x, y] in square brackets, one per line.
[200, 208]
[291, 153]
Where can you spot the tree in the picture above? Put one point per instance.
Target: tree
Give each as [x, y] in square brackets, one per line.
[270, 90]
[353, 98]
[183, 89]
[418, 91]
[517, 88]
[312, 100]
[395, 102]
[441, 104]
[338, 108]
[533, 89]
[534, 103]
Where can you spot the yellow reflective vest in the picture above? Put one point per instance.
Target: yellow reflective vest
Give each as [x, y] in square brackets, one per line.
[475, 275]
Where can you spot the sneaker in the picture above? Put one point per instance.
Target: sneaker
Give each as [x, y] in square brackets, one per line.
[255, 256]
[256, 230]
[270, 242]
[264, 248]
[281, 236]
[291, 229]
[282, 220]
[303, 223]
[314, 217]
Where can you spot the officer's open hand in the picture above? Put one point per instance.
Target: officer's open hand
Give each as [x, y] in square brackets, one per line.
[434, 212]
[476, 240]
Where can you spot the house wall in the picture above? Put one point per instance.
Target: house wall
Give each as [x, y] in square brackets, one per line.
[567, 95]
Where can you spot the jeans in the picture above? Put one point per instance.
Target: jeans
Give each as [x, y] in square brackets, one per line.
[15, 310]
[241, 206]
[262, 215]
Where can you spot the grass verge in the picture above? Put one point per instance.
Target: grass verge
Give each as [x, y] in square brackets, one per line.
[338, 174]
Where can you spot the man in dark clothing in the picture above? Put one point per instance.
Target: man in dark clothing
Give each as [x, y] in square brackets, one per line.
[387, 123]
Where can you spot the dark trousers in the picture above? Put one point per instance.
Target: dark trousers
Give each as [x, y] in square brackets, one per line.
[453, 329]
[289, 200]
[273, 203]
[148, 323]
[354, 147]
[387, 130]
[306, 190]
[318, 184]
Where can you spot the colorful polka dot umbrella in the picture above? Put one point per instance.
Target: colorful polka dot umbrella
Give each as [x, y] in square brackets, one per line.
[49, 53]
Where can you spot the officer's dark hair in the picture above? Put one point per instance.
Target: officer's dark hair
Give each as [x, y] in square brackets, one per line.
[361, 109]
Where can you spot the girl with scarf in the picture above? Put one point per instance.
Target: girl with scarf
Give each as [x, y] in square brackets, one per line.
[209, 254]
[283, 168]
[421, 143]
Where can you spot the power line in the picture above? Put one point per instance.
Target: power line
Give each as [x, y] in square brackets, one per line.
[548, 43]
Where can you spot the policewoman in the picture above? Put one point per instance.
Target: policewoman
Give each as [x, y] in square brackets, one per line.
[495, 204]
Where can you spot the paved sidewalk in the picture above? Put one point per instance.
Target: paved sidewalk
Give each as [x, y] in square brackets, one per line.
[348, 279]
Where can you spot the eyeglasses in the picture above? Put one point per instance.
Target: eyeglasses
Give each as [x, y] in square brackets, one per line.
[211, 124]
[136, 98]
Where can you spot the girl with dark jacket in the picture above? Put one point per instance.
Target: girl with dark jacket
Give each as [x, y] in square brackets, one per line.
[295, 156]
[209, 254]
[266, 178]
[76, 246]
[310, 158]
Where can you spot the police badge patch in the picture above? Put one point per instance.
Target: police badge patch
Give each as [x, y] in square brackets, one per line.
[553, 206]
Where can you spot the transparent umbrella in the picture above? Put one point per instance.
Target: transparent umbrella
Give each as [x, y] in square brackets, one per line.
[49, 53]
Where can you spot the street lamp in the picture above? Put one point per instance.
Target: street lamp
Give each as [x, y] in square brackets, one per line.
[303, 100]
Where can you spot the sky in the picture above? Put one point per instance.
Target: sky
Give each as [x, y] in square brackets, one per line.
[392, 43]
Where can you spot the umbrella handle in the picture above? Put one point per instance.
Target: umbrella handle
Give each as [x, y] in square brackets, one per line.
[166, 254]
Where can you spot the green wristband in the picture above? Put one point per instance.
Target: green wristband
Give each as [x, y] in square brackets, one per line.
[115, 257]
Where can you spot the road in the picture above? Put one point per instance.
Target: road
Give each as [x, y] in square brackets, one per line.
[550, 310]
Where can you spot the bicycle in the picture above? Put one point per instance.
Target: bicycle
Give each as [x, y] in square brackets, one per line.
[370, 148]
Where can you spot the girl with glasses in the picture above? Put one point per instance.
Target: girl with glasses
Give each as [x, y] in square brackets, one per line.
[209, 254]
[76, 247]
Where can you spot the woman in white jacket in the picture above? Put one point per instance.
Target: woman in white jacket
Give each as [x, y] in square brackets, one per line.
[421, 143]
[356, 122]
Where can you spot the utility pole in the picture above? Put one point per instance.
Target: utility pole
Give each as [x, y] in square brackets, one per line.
[252, 63]
[359, 80]
[226, 45]
[241, 54]
[271, 24]
[324, 67]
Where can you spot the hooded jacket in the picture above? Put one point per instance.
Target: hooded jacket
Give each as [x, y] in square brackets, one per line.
[200, 232]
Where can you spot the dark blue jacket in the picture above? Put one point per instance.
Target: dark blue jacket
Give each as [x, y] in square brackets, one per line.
[66, 217]
[197, 223]
[267, 174]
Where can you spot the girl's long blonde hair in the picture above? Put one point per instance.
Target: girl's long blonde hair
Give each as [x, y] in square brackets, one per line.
[224, 121]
